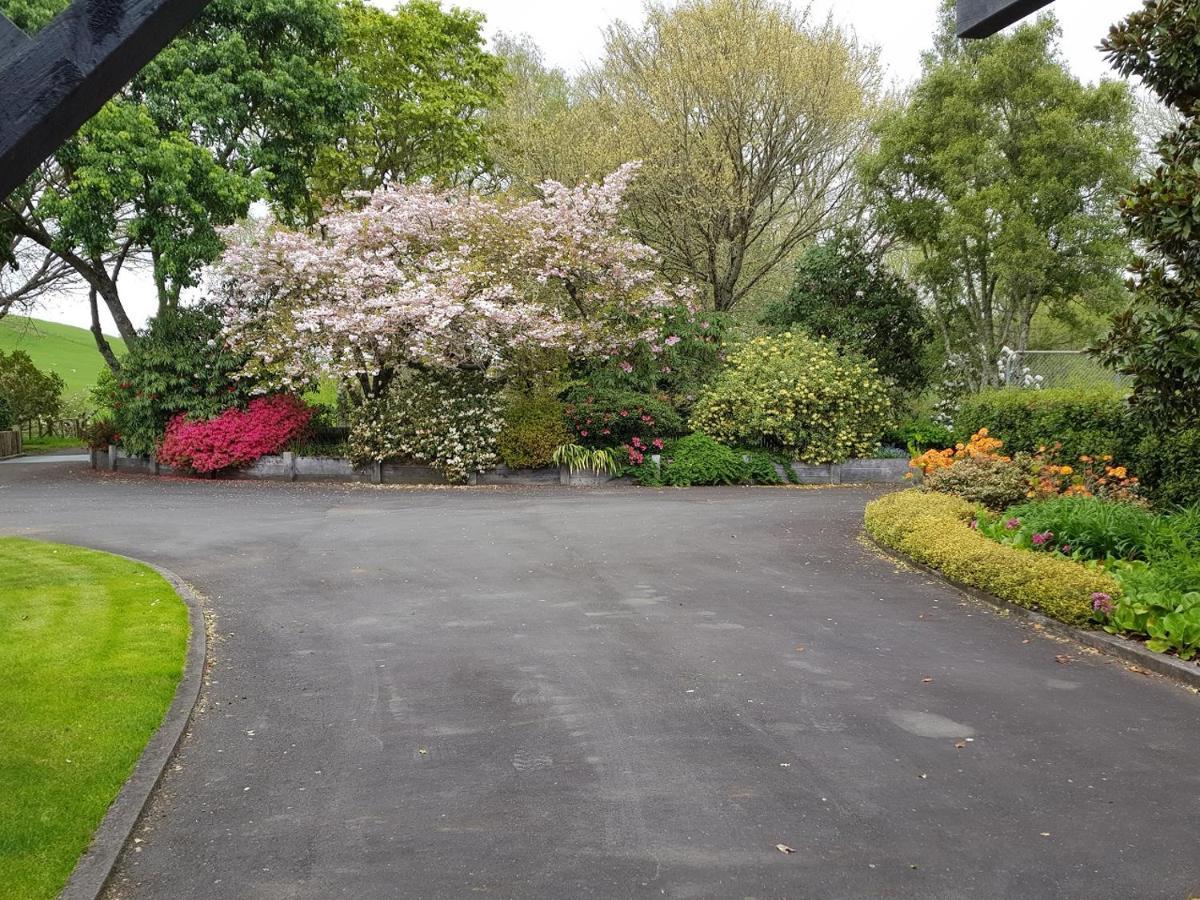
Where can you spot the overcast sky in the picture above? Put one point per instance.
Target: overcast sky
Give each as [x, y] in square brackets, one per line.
[570, 34]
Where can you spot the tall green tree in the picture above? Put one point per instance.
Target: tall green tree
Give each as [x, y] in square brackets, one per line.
[426, 84]
[1002, 173]
[233, 111]
[749, 116]
[1157, 340]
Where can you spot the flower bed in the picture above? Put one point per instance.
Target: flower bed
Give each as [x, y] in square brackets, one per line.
[1153, 558]
[935, 529]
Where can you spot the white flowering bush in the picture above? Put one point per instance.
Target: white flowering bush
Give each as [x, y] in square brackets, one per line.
[413, 275]
[798, 395]
[448, 420]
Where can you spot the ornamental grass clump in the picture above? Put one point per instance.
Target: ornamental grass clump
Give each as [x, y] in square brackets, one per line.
[798, 395]
[236, 437]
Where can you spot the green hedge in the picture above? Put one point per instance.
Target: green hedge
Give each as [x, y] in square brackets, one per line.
[1084, 421]
[932, 529]
[1166, 461]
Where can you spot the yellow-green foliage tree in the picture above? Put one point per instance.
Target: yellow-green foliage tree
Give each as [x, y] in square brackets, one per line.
[747, 115]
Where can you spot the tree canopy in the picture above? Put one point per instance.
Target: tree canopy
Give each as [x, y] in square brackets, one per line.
[1157, 340]
[1002, 174]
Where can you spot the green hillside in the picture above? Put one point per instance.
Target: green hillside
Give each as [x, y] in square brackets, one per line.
[65, 349]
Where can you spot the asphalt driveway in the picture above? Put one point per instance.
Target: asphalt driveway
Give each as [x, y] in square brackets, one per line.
[620, 693]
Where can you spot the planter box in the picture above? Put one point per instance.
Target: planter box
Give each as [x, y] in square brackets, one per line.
[504, 475]
[409, 473]
[874, 471]
[852, 471]
[10, 444]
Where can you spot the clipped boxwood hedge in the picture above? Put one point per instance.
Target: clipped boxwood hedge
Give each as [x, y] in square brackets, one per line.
[931, 528]
[1087, 421]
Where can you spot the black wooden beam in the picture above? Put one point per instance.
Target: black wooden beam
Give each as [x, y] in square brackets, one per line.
[52, 83]
[981, 18]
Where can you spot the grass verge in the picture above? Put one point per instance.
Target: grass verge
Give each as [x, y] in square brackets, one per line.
[92, 647]
[932, 529]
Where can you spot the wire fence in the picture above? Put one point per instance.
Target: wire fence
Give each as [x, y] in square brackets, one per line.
[1037, 369]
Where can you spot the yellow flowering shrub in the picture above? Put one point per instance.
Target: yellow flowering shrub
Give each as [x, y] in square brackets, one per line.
[935, 529]
[799, 395]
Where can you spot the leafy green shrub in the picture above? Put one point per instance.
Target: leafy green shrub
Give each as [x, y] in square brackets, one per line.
[448, 420]
[845, 292]
[760, 466]
[933, 529]
[6, 417]
[994, 482]
[610, 417]
[919, 435]
[178, 365]
[698, 459]
[1086, 422]
[1166, 460]
[798, 395]
[29, 392]
[100, 432]
[533, 428]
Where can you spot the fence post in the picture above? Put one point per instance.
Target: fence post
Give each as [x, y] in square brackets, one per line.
[376, 471]
[112, 457]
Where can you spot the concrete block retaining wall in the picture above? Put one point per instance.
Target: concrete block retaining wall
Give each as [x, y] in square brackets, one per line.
[289, 467]
[10, 443]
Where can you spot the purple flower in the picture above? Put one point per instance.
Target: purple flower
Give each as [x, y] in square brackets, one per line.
[1102, 603]
[1042, 539]
[672, 340]
[1066, 549]
[626, 367]
[1012, 524]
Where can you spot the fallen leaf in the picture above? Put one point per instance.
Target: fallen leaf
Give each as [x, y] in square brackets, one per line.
[1045, 834]
[926, 681]
[422, 751]
[1062, 659]
[784, 848]
[1138, 670]
[960, 745]
[799, 649]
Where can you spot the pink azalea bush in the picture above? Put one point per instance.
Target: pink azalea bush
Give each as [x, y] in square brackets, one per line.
[445, 280]
[236, 437]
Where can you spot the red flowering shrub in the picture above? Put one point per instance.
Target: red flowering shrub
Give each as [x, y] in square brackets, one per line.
[237, 437]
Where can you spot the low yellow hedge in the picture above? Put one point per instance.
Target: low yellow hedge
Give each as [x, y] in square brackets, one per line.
[931, 528]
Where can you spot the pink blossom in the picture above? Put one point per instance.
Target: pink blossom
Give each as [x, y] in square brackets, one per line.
[672, 340]
[626, 367]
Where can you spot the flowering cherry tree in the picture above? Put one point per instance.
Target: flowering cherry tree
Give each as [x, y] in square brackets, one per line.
[413, 275]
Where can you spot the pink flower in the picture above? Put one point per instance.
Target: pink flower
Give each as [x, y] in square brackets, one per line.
[672, 340]
[626, 367]
[583, 433]
[1102, 603]
[1012, 524]
[1043, 538]
[658, 443]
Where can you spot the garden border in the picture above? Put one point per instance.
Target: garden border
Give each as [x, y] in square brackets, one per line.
[95, 867]
[290, 467]
[1124, 649]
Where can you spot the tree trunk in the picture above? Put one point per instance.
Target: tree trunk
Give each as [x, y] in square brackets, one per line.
[102, 343]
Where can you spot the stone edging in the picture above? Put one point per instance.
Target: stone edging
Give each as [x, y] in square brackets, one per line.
[93, 870]
[289, 467]
[1127, 650]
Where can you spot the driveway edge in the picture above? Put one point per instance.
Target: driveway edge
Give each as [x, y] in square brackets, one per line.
[1123, 649]
[92, 872]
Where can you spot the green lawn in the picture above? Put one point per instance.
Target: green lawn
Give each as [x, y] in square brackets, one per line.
[42, 444]
[92, 647]
[65, 349]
